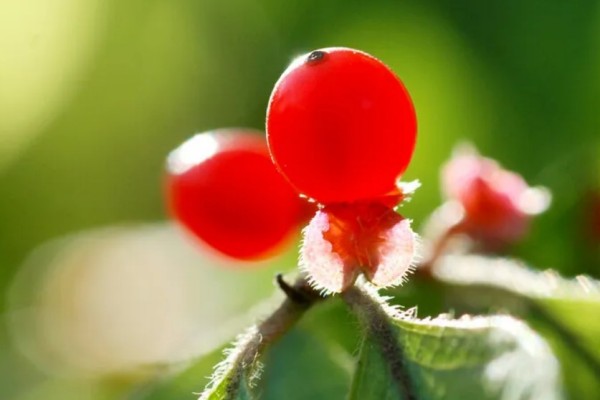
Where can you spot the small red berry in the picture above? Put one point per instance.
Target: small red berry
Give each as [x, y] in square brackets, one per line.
[224, 188]
[341, 126]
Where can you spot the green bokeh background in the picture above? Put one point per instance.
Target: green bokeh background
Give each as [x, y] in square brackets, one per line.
[94, 93]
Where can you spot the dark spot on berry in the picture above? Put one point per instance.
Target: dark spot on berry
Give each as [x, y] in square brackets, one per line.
[315, 56]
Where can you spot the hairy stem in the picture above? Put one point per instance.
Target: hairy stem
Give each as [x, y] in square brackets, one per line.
[372, 315]
[438, 249]
[299, 298]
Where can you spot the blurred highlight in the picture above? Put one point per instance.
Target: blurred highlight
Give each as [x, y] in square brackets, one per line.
[46, 49]
[126, 300]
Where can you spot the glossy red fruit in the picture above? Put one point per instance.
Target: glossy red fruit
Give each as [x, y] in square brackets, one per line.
[224, 188]
[341, 126]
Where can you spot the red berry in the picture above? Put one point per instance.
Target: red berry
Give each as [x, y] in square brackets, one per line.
[341, 126]
[225, 189]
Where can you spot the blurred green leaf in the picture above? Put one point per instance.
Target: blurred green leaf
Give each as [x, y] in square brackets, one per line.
[183, 382]
[69, 389]
[564, 311]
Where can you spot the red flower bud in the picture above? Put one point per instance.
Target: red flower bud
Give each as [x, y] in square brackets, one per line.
[497, 203]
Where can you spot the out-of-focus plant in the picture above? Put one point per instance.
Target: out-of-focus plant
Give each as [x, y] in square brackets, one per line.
[109, 88]
[334, 113]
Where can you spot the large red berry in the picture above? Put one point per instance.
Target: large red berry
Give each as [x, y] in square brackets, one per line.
[341, 126]
[225, 189]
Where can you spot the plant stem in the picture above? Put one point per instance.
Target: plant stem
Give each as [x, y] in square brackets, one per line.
[438, 249]
[299, 298]
[372, 315]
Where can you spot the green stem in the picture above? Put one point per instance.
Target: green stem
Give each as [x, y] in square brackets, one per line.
[369, 308]
[299, 298]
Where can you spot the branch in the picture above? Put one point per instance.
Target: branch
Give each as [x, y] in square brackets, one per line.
[244, 356]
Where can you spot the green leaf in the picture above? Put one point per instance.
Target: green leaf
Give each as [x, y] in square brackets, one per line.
[303, 366]
[566, 312]
[481, 358]
[315, 360]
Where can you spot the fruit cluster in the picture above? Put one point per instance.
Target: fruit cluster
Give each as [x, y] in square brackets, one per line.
[341, 130]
